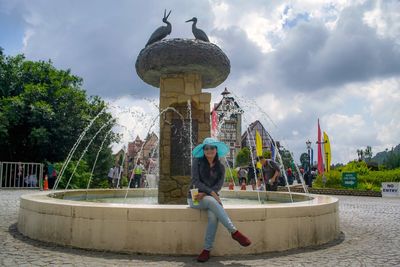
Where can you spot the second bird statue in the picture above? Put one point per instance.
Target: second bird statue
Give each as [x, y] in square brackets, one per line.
[198, 34]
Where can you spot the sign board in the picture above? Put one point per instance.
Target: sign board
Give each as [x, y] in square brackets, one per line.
[390, 189]
[349, 179]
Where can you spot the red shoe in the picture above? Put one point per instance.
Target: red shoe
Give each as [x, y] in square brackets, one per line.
[204, 256]
[239, 237]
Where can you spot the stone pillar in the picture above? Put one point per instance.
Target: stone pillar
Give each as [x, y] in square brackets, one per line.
[181, 68]
[175, 91]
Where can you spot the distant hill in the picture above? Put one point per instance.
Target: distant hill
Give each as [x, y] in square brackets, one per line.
[380, 157]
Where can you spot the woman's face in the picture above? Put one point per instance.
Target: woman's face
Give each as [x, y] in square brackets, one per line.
[210, 151]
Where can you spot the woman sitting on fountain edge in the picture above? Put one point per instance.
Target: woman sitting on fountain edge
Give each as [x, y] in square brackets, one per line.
[208, 175]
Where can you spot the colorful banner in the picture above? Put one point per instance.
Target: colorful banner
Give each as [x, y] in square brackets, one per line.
[214, 123]
[327, 150]
[320, 160]
[258, 144]
[258, 165]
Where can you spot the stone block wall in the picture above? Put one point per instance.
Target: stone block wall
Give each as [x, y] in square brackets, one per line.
[175, 91]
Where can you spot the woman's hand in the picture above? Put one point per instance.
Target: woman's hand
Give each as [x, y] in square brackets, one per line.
[200, 196]
[214, 195]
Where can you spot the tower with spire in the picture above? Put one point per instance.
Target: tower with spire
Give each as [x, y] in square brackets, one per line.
[228, 124]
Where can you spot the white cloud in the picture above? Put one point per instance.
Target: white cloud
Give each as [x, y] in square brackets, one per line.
[256, 28]
[221, 11]
[258, 22]
[383, 110]
[293, 62]
[27, 35]
[280, 107]
[385, 19]
[346, 134]
[376, 122]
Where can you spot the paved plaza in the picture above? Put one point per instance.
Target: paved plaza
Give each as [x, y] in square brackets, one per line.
[370, 237]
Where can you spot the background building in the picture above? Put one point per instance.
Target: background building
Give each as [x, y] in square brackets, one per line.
[148, 156]
[150, 147]
[267, 142]
[227, 125]
[134, 148]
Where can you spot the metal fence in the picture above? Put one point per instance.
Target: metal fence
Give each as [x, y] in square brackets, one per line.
[21, 175]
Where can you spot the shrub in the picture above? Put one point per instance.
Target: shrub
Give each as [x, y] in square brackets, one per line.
[367, 180]
[80, 178]
[333, 180]
[124, 181]
[368, 186]
[377, 177]
[359, 167]
[243, 157]
[267, 154]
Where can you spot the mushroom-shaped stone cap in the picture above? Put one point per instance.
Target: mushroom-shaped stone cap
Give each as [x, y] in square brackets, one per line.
[176, 56]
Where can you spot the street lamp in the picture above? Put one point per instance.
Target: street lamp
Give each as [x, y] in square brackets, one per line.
[310, 156]
[308, 143]
[309, 149]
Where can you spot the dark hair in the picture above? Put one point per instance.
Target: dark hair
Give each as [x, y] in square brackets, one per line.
[205, 166]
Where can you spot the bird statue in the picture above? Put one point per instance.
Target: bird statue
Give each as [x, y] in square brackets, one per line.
[161, 31]
[199, 34]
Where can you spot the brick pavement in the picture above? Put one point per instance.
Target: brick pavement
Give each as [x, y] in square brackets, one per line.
[370, 226]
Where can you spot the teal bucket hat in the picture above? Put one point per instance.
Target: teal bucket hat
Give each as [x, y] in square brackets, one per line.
[222, 149]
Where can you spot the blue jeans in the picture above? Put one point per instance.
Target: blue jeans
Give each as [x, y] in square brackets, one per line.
[216, 213]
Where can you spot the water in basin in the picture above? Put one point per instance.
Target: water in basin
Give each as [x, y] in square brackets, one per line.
[154, 201]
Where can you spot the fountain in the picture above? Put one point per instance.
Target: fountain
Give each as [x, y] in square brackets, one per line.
[181, 68]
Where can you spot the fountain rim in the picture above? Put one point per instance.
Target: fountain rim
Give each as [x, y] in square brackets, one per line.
[82, 225]
[46, 198]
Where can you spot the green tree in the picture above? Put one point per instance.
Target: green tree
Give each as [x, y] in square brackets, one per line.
[392, 160]
[80, 178]
[286, 157]
[267, 154]
[305, 160]
[368, 153]
[43, 111]
[360, 154]
[243, 157]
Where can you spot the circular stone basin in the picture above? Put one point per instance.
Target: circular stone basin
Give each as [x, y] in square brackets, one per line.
[175, 56]
[74, 218]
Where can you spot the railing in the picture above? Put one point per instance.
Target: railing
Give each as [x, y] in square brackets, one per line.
[21, 175]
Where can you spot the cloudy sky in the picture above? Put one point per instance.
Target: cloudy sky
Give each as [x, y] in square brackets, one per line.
[292, 62]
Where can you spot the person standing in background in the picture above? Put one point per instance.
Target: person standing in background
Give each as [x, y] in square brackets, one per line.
[271, 172]
[251, 176]
[289, 174]
[52, 175]
[116, 176]
[242, 174]
[110, 177]
[138, 171]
